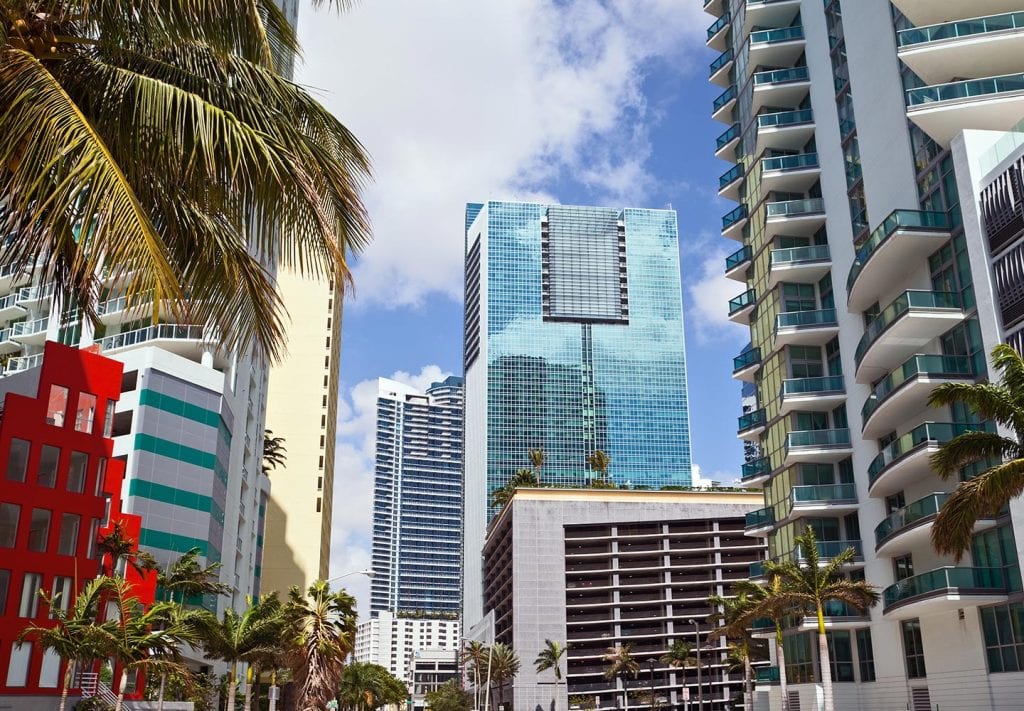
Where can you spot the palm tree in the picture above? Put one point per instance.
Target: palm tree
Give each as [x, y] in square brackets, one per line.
[75, 636]
[679, 655]
[161, 141]
[620, 666]
[550, 657]
[187, 578]
[321, 634]
[523, 478]
[756, 606]
[474, 655]
[599, 462]
[244, 637]
[274, 452]
[810, 587]
[537, 457]
[504, 667]
[741, 648]
[365, 687]
[989, 492]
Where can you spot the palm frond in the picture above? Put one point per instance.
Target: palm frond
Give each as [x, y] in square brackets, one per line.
[983, 496]
[990, 401]
[971, 447]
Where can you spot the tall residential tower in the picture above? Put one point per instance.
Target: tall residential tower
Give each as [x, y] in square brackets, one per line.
[573, 343]
[862, 136]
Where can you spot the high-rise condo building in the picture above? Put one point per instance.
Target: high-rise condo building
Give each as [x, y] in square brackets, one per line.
[417, 499]
[573, 344]
[875, 155]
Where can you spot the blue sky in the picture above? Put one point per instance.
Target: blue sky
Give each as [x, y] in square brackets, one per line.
[571, 101]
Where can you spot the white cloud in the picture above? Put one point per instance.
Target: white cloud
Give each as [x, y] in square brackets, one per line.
[708, 297]
[351, 531]
[466, 100]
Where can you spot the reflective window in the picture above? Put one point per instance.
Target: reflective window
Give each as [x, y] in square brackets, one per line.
[60, 593]
[17, 668]
[69, 525]
[5, 586]
[31, 584]
[101, 476]
[76, 472]
[17, 460]
[9, 516]
[108, 419]
[49, 457]
[39, 530]
[913, 648]
[1003, 627]
[85, 413]
[57, 406]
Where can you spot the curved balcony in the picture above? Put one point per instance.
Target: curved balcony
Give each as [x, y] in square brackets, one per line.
[718, 31]
[10, 308]
[910, 528]
[759, 522]
[910, 322]
[791, 174]
[794, 217]
[718, 71]
[727, 141]
[741, 306]
[827, 550]
[751, 425]
[32, 295]
[18, 364]
[733, 222]
[780, 47]
[800, 265]
[124, 308]
[822, 499]
[838, 616]
[805, 328]
[188, 341]
[944, 589]
[784, 130]
[927, 12]
[991, 104]
[756, 472]
[7, 343]
[904, 237]
[737, 263]
[906, 459]
[721, 107]
[906, 390]
[812, 394]
[966, 49]
[818, 446]
[729, 183]
[769, 13]
[746, 364]
[784, 88]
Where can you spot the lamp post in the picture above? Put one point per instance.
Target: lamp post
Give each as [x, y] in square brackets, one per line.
[650, 663]
[367, 572]
[700, 683]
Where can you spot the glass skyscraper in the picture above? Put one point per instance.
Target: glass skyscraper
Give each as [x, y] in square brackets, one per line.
[573, 343]
[417, 499]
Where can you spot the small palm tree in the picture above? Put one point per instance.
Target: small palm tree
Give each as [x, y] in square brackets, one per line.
[504, 668]
[742, 648]
[537, 457]
[523, 478]
[550, 657]
[679, 655]
[474, 655]
[989, 492]
[599, 462]
[621, 665]
[810, 587]
[274, 452]
[366, 686]
[186, 578]
[75, 636]
[321, 634]
[756, 606]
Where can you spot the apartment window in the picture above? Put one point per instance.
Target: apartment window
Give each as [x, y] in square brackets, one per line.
[865, 655]
[799, 658]
[76, 472]
[57, 406]
[17, 668]
[39, 530]
[9, 516]
[5, 586]
[1003, 628]
[913, 649]
[903, 567]
[17, 460]
[49, 456]
[895, 502]
[31, 584]
[101, 476]
[94, 535]
[85, 413]
[318, 504]
[108, 419]
[60, 593]
[49, 670]
[68, 542]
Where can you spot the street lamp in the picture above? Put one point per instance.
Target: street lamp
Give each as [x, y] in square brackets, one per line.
[700, 684]
[367, 572]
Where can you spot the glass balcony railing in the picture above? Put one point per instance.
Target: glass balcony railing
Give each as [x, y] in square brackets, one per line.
[5, 335]
[969, 89]
[903, 304]
[816, 386]
[767, 675]
[796, 320]
[740, 256]
[801, 255]
[762, 624]
[718, 25]
[734, 216]
[757, 569]
[35, 293]
[800, 161]
[746, 359]
[744, 300]
[761, 517]
[897, 220]
[785, 118]
[937, 433]
[162, 331]
[781, 76]
[792, 208]
[782, 34]
[730, 135]
[122, 302]
[818, 439]
[20, 363]
[909, 515]
[831, 549]
[931, 366]
[722, 60]
[757, 468]
[30, 328]
[724, 98]
[946, 580]
[730, 176]
[834, 608]
[962, 28]
[823, 493]
[751, 420]
[9, 301]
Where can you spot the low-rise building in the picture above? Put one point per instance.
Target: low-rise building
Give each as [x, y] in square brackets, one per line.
[392, 640]
[431, 669]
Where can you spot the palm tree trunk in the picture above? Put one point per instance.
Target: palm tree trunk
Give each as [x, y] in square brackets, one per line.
[160, 696]
[231, 686]
[780, 657]
[120, 690]
[67, 685]
[748, 684]
[825, 662]
[625, 694]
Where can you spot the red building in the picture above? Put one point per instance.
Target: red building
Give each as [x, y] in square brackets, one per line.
[60, 490]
